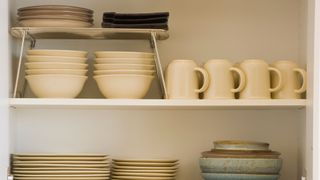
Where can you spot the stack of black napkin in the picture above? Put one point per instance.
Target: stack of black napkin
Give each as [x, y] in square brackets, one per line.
[156, 20]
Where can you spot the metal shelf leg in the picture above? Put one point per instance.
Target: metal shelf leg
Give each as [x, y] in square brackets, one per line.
[24, 33]
[158, 65]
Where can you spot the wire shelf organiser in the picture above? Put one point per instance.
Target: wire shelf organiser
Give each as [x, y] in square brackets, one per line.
[34, 33]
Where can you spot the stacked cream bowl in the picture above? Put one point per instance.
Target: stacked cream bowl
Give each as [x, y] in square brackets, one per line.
[56, 73]
[124, 75]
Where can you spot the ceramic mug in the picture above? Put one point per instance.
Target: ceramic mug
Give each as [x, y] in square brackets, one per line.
[222, 82]
[258, 79]
[182, 80]
[291, 88]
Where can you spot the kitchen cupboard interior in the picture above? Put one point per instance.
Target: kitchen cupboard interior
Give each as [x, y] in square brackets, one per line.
[199, 30]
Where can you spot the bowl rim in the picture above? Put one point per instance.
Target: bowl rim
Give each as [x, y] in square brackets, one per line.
[125, 70]
[56, 75]
[56, 57]
[56, 50]
[55, 63]
[122, 75]
[132, 65]
[73, 70]
[124, 52]
[123, 59]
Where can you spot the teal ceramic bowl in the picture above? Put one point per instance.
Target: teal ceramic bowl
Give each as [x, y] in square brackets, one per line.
[218, 176]
[240, 165]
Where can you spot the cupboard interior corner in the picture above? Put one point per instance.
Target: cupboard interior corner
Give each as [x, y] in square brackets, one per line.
[199, 30]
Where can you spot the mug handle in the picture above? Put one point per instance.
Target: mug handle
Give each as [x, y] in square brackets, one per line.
[303, 74]
[242, 79]
[278, 87]
[205, 80]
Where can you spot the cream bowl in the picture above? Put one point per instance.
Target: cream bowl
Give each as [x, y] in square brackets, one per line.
[122, 54]
[149, 61]
[79, 72]
[63, 59]
[124, 66]
[137, 72]
[124, 86]
[56, 86]
[55, 65]
[47, 52]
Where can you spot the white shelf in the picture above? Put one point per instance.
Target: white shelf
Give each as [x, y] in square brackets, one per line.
[87, 33]
[27, 103]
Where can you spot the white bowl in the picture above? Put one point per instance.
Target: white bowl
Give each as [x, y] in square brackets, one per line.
[122, 54]
[124, 60]
[53, 65]
[137, 72]
[56, 71]
[121, 86]
[123, 66]
[47, 52]
[56, 59]
[54, 23]
[56, 86]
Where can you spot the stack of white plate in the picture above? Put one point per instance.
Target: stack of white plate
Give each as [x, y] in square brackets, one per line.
[124, 75]
[60, 167]
[148, 169]
[56, 73]
[55, 16]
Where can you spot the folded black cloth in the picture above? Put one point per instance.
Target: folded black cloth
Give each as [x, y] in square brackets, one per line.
[115, 15]
[137, 26]
[136, 21]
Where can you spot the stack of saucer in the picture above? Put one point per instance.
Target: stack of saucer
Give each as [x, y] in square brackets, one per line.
[149, 169]
[55, 16]
[62, 166]
[56, 73]
[234, 160]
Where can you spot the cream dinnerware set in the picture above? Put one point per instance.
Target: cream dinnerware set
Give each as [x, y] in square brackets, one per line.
[56, 73]
[55, 16]
[148, 169]
[124, 75]
[220, 79]
[60, 167]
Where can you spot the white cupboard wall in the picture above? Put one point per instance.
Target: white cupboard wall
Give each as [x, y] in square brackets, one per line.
[199, 30]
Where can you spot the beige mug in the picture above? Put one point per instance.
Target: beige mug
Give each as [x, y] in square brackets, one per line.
[222, 82]
[258, 83]
[292, 87]
[182, 80]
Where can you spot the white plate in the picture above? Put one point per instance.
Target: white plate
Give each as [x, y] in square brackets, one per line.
[63, 165]
[123, 67]
[145, 164]
[53, 65]
[144, 174]
[145, 168]
[142, 178]
[59, 53]
[54, 23]
[56, 7]
[60, 16]
[60, 172]
[61, 178]
[125, 61]
[32, 169]
[122, 54]
[55, 71]
[60, 155]
[37, 58]
[147, 160]
[60, 162]
[143, 171]
[53, 12]
[61, 175]
[138, 72]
